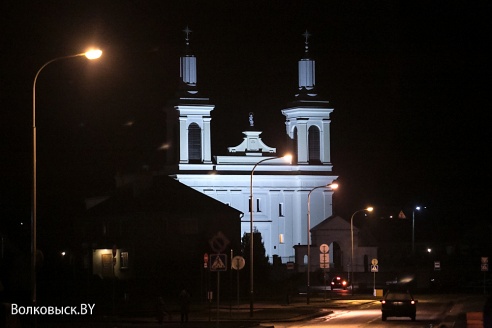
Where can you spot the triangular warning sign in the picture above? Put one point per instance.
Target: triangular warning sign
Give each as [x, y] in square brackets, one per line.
[218, 264]
[401, 215]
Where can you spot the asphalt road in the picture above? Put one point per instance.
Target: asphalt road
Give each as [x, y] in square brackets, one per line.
[432, 311]
[447, 310]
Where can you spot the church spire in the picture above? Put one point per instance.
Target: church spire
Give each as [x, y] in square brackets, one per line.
[193, 116]
[308, 117]
[188, 63]
[306, 69]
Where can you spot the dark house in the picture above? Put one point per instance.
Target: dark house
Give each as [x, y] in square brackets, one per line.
[155, 231]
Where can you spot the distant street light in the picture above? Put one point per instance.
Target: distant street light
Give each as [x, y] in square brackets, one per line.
[369, 209]
[91, 54]
[286, 158]
[333, 186]
[417, 208]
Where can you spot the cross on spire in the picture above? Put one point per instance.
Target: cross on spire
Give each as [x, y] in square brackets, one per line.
[187, 31]
[306, 35]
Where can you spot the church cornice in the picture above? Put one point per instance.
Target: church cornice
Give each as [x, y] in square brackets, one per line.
[300, 113]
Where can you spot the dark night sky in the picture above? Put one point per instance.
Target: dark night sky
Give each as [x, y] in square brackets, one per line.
[409, 82]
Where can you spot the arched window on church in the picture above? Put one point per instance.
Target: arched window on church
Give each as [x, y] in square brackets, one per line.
[314, 145]
[194, 143]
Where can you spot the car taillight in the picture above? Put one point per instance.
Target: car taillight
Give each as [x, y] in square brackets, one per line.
[332, 283]
[344, 283]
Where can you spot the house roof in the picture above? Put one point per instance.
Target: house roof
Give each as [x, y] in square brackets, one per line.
[159, 193]
[154, 207]
[336, 222]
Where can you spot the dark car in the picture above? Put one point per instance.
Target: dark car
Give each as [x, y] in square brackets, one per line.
[398, 303]
[339, 282]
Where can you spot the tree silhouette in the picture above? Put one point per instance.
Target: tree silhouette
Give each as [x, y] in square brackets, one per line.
[261, 266]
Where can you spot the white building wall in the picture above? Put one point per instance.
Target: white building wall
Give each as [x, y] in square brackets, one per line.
[289, 202]
[270, 190]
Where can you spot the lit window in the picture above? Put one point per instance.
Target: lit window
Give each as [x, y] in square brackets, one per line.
[281, 238]
[124, 260]
[107, 265]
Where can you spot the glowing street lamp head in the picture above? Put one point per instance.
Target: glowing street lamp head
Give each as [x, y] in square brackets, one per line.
[288, 158]
[370, 209]
[93, 54]
[333, 185]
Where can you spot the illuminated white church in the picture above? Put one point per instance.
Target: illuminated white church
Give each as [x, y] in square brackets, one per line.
[280, 189]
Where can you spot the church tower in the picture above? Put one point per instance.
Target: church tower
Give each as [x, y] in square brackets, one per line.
[308, 117]
[194, 116]
[275, 201]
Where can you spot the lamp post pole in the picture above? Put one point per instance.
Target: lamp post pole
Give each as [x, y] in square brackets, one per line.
[417, 208]
[251, 238]
[332, 186]
[369, 209]
[92, 54]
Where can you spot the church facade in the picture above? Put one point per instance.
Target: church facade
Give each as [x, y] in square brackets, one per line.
[271, 191]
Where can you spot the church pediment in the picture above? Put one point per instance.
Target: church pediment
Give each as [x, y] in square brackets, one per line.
[252, 143]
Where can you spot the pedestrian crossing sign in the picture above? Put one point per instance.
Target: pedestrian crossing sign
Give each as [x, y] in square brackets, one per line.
[218, 262]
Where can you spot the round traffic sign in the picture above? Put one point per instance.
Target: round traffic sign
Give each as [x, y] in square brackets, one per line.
[238, 262]
[324, 248]
[374, 262]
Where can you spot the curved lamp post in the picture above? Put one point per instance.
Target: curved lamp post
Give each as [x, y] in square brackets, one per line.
[287, 158]
[333, 186]
[91, 54]
[368, 209]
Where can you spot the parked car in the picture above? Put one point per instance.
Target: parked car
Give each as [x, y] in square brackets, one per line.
[398, 303]
[339, 282]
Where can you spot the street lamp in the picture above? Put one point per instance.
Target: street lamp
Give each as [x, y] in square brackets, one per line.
[287, 158]
[91, 54]
[368, 209]
[417, 208]
[333, 186]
